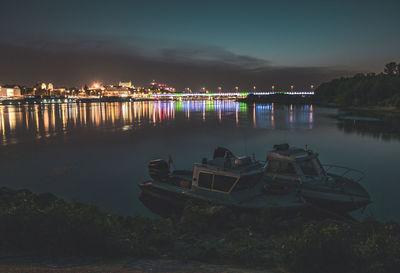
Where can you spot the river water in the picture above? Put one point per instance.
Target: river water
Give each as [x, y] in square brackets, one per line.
[98, 152]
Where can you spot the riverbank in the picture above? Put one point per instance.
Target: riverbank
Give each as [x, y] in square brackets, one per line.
[376, 109]
[44, 225]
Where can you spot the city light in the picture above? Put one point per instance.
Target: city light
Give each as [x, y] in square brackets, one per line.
[234, 94]
[95, 85]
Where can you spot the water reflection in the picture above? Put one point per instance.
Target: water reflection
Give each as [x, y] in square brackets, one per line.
[18, 123]
[384, 126]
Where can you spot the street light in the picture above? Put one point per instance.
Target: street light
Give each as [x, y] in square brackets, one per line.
[273, 87]
[291, 88]
[237, 88]
[219, 89]
[254, 88]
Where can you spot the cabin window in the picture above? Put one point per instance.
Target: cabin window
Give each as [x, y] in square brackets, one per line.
[281, 167]
[205, 180]
[247, 182]
[223, 183]
[308, 167]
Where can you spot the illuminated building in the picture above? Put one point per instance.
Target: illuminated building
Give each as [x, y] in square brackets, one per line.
[126, 84]
[161, 87]
[116, 91]
[10, 91]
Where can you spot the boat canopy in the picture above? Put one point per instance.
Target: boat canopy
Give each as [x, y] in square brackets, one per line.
[293, 161]
[290, 153]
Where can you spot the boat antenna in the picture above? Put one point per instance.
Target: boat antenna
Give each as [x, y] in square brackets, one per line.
[170, 162]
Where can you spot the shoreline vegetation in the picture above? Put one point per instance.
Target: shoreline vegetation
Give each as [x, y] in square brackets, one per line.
[44, 225]
[364, 92]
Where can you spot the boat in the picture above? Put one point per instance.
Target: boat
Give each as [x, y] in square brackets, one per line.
[331, 187]
[235, 182]
[291, 179]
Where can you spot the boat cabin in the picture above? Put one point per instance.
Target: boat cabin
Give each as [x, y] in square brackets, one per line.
[293, 163]
[226, 174]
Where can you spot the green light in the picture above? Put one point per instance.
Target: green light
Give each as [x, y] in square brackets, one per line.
[178, 106]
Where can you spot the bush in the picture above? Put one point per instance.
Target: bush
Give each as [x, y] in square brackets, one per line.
[46, 225]
[339, 247]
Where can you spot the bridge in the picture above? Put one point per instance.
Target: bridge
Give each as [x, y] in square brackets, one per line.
[233, 94]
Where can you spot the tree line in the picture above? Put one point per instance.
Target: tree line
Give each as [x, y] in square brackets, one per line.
[369, 89]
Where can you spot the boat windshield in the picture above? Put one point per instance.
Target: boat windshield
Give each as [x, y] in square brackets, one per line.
[310, 167]
[247, 182]
[281, 167]
[216, 182]
[223, 183]
[205, 180]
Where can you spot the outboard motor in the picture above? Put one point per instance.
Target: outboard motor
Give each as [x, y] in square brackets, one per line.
[158, 170]
[220, 152]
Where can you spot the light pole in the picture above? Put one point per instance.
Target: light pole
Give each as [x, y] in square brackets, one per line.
[237, 88]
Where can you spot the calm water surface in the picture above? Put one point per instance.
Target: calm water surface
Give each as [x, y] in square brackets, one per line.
[99, 152]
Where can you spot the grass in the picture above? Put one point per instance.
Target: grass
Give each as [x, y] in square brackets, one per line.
[46, 225]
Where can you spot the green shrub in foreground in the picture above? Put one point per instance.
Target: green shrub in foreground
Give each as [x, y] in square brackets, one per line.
[46, 225]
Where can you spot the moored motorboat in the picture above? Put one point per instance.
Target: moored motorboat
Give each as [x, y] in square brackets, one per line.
[292, 179]
[321, 186]
[235, 182]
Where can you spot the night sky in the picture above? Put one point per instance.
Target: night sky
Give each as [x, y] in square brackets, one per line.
[195, 43]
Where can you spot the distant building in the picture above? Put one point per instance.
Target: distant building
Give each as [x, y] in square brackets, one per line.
[43, 89]
[126, 84]
[116, 91]
[161, 87]
[9, 91]
[59, 91]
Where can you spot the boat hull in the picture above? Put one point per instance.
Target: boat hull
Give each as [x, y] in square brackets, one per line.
[340, 202]
[166, 202]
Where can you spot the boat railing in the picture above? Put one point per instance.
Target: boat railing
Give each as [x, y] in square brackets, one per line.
[344, 172]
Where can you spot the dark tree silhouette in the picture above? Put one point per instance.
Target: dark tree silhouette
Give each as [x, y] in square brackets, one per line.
[390, 68]
[363, 90]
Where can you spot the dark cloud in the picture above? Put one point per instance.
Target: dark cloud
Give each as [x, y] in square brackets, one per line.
[211, 55]
[78, 61]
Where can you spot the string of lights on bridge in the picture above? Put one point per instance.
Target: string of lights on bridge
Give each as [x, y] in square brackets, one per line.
[235, 94]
